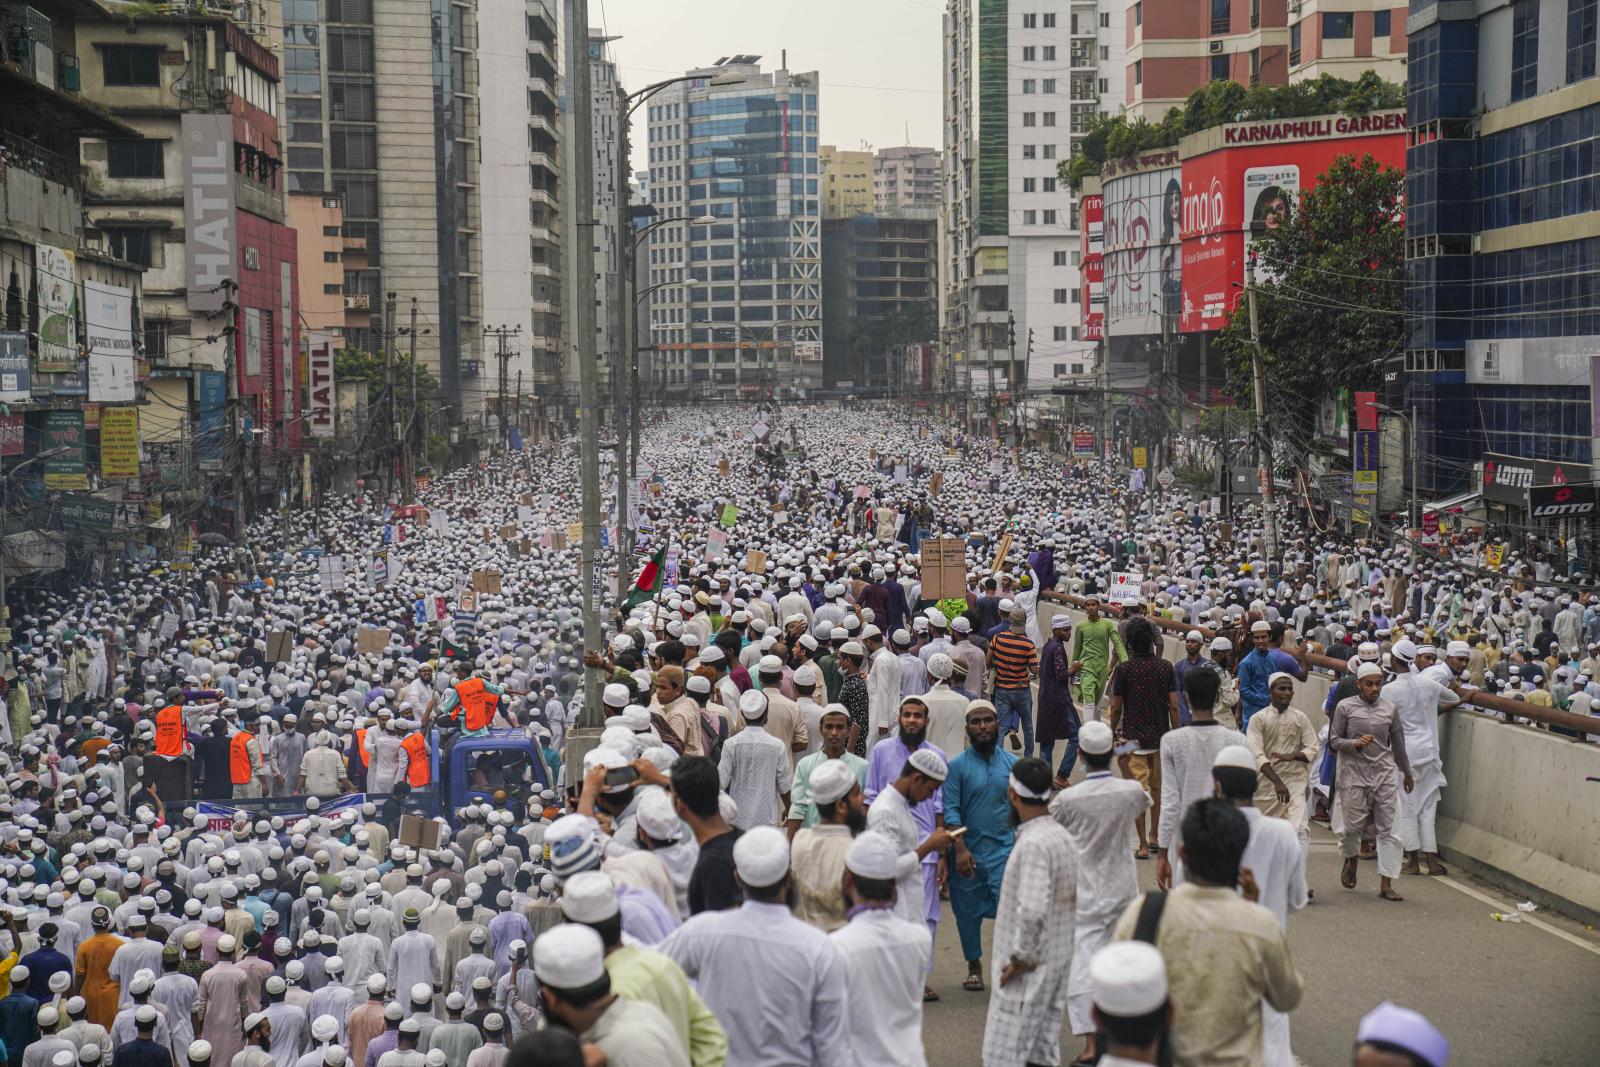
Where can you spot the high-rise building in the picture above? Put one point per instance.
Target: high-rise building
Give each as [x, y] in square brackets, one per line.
[381, 108]
[520, 72]
[1502, 258]
[199, 199]
[846, 183]
[1346, 37]
[1022, 84]
[905, 182]
[610, 166]
[741, 310]
[879, 276]
[1176, 46]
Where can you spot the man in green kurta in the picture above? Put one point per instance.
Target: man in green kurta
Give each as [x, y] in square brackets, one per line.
[1093, 642]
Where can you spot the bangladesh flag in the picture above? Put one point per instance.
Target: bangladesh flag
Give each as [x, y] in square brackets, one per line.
[651, 576]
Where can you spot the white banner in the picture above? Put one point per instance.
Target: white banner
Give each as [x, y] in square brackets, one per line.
[108, 313]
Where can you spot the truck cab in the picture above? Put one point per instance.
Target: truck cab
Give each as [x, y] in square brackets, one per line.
[469, 770]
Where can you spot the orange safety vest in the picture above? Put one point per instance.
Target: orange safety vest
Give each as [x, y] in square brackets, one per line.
[239, 757]
[418, 773]
[169, 731]
[478, 702]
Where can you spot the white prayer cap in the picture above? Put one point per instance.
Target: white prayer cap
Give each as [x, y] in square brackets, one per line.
[376, 984]
[940, 665]
[1366, 670]
[1095, 738]
[1130, 978]
[325, 1028]
[930, 763]
[936, 617]
[753, 704]
[276, 985]
[1394, 1025]
[1367, 650]
[872, 854]
[455, 1001]
[334, 1056]
[1272, 679]
[1457, 648]
[589, 897]
[853, 648]
[422, 992]
[1232, 756]
[199, 1051]
[807, 676]
[253, 1020]
[226, 944]
[658, 819]
[761, 856]
[1403, 649]
[570, 956]
[615, 696]
[830, 780]
[769, 665]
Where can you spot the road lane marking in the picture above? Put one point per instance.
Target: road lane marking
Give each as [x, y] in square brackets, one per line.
[1512, 909]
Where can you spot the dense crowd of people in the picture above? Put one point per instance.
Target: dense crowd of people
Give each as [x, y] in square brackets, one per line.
[812, 749]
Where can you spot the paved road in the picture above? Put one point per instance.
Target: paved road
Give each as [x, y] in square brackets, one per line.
[1503, 993]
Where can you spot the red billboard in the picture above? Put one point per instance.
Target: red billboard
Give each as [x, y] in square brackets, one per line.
[1251, 183]
[1092, 209]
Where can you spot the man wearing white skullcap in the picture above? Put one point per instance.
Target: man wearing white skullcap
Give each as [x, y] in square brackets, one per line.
[730, 953]
[885, 957]
[755, 768]
[1096, 814]
[1284, 744]
[1131, 1013]
[1186, 757]
[833, 732]
[1369, 738]
[898, 812]
[569, 963]
[818, 850]
[1276, 858]
[1418, 698]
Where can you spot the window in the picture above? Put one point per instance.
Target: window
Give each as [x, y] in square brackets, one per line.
[1029, 118]
[1105, 53]
[1049, 218]
[1028, 52]
[1338, 25]
[349, 51]
[1077, 368]
[1049, 53]
[131, 64]
[1028, 151]
[330, 231]
[1047, 86]
[330, 257]
[1049, 185]
[1049, 21]
[1105, 21]
[351, 100]
[1027, 185]
[1049, 118]
[1524, 49]
[1219, 16]
[332, 289]
[136, 244]
[1219, 68]
[1049, 151]
[1255, 14]
[1030, 22]
[1294, 45]
[1138, 13]
[1138, 72]
[1059, 296]
[1030, 218]
[1027, 85]
[1380, 24]
[1060, 369]
[305, 158]
[134, 159]
[1105, 86]
[1058, 333]
[1255, 65]
[353, 148]
[1580, 38]
[1058, 259]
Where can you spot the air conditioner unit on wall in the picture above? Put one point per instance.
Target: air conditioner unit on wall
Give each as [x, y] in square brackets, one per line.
[1216, 47]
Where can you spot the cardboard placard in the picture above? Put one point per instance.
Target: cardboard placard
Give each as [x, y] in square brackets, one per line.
[418, 832]
[279, 645]
[486, 582]
[936, 483]
[1001, 552]
[368, 640]
[755, 562]
[723, 468]
[944, 568]
[508, 531]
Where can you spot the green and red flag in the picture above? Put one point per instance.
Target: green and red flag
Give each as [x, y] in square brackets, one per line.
[651, 577]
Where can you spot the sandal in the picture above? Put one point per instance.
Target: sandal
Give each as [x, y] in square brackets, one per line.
[1347, 876]
[929, 996]
[1389, 894]
[973, 983]
[1142, 854]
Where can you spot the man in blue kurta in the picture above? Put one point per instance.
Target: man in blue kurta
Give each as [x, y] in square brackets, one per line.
[1254, 672]
[975, 797]
[885, 762]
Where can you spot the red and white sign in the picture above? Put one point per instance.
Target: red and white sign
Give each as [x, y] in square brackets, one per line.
[1256, 175]
[1092, 209]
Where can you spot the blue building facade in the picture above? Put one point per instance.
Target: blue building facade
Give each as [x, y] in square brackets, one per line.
[1502, 239]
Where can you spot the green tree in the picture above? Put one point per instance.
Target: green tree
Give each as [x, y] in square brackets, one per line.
[1328, 295]
[1221, 102]
[354, 364]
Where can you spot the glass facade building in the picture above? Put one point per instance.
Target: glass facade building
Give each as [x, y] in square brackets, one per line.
[1502, 235]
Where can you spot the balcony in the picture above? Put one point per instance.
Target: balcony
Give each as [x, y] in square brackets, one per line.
[358, 302]
[40, 192]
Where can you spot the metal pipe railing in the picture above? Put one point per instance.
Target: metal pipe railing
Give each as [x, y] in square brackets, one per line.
[1490, 702]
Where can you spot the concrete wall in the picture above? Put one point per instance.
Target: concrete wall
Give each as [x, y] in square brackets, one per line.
[1519, 810]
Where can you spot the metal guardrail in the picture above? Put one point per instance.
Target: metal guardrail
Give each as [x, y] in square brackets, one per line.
[1489, 702]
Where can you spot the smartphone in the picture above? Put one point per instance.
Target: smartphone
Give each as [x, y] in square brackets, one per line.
[621, 776]
[1125, 748]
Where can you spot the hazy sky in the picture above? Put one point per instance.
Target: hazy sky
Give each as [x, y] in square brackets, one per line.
[879, 59]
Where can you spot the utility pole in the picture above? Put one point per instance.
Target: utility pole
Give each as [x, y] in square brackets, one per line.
[1269, 496]
[1416, 511]
[502, 334]
[988, 362]
[390, 421]
[576, 31]
[408, 461]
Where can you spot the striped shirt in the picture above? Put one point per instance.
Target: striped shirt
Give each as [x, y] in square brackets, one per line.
[1014, 659]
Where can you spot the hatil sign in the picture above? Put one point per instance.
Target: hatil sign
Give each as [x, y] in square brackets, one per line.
[319, 365]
